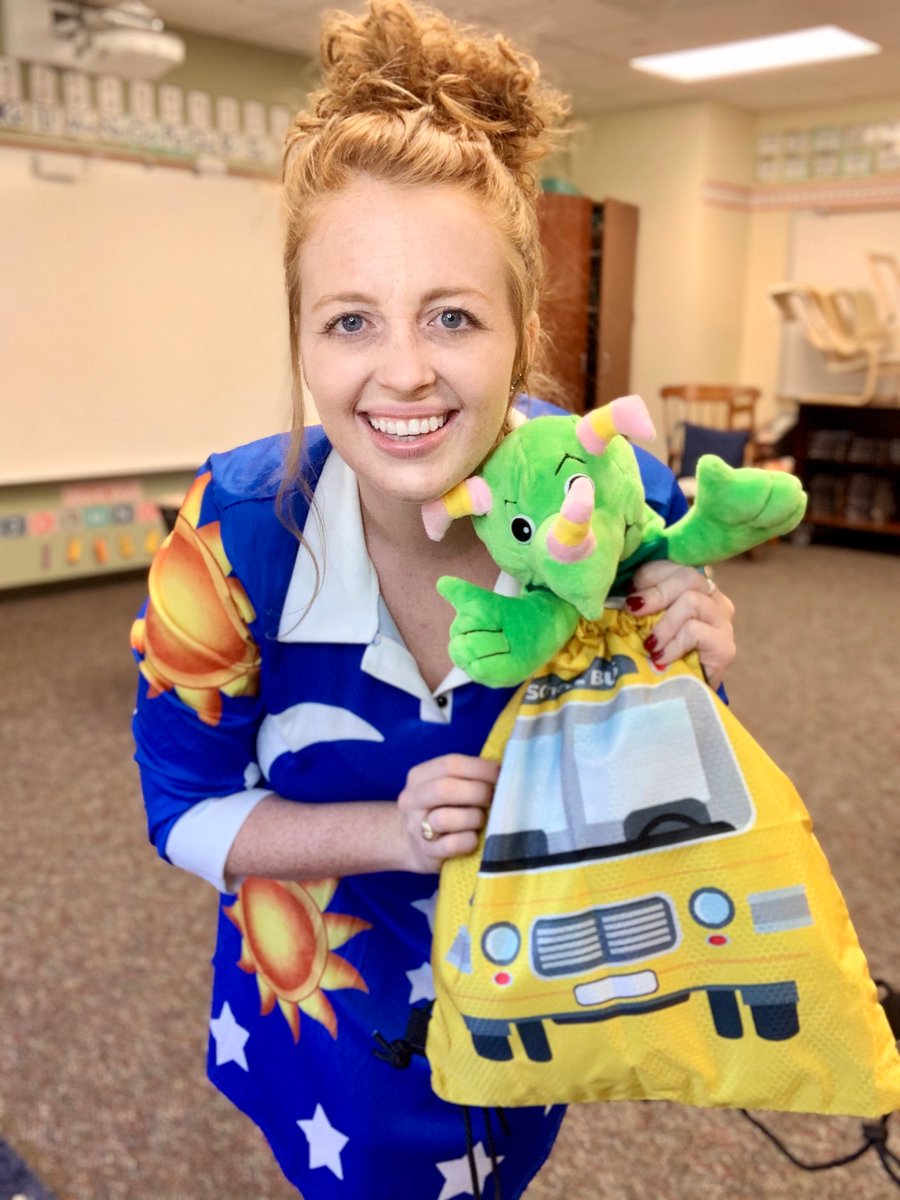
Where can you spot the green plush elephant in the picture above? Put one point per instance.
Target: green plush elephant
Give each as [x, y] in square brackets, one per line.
[560, 506]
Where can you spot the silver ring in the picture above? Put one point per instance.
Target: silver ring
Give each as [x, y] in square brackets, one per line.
[427, 832]
[710, 586]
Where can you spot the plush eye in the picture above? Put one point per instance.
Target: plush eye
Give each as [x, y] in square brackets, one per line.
[522, 529]
[572, 479]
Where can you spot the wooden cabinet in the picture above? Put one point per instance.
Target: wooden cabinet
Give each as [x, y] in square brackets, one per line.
[587, 308]
[848, 458]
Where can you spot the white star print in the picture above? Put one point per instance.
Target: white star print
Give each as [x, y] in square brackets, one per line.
[325, 1142]
[458, 1176]
[231, 1038]
[422, 982]
[427, 907]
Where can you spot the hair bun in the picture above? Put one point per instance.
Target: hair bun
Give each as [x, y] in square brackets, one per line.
[397, 57]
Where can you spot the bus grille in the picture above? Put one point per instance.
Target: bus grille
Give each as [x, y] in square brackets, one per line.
[618, 933]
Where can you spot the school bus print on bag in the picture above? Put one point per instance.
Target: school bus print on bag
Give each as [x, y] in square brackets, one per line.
[650, 915]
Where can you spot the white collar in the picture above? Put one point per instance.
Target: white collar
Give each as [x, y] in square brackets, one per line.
[348, 609]
[345, 609]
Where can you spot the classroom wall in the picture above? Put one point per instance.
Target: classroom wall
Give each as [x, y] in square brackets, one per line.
[691, 259]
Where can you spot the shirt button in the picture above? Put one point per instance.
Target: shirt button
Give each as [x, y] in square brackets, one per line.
[441, 701]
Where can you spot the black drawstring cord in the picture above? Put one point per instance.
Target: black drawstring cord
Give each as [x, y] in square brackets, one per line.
[492, 1153]
[470, 1152]
[875, 1134]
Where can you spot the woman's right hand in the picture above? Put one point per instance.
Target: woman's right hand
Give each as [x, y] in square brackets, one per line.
[448, 798]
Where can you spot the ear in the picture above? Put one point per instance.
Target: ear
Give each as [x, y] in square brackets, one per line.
[471, 498]
[627, 415]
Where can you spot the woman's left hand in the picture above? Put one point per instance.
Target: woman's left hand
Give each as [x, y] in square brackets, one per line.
[696, 616]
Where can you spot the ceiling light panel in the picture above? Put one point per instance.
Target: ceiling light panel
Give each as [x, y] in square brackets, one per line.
[824, 43]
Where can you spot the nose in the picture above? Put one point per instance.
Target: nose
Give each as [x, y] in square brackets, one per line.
[404, 364]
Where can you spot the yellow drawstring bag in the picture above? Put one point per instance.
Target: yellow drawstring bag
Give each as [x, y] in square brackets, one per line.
[649, 915]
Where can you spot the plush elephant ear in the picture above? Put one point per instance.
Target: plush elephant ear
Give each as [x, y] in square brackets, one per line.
[471, 498]
[628, 415]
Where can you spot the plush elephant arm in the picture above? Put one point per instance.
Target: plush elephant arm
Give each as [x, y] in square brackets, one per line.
[502, 640]
[735, 510]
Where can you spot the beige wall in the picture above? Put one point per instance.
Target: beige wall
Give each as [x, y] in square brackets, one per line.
[691, 259]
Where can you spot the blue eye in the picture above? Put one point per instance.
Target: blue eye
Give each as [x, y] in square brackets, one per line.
[452, 318]
[351, 322]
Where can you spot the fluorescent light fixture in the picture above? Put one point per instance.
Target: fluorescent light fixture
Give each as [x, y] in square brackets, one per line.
[803, 46]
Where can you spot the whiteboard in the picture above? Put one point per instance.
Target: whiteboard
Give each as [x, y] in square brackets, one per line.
[830, 250]
[143, 319]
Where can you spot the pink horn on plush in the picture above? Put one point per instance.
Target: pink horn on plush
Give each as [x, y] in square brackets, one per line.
[571, 537]
[471, 498]
[628, 415]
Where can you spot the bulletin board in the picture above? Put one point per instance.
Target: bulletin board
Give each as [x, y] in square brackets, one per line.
[142, 316]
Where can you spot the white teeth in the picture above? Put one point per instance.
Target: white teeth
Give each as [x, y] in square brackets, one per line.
[412, 428]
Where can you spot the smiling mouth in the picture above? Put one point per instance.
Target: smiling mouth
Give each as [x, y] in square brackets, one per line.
[407, 429]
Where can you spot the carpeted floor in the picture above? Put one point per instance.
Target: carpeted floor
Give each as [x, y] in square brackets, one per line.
[104, 950]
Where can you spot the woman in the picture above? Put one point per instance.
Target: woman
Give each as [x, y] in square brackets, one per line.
[303, 738]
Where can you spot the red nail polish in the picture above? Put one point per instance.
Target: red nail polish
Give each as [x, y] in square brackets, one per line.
[634, 603]
[650, 643]
[656, 655]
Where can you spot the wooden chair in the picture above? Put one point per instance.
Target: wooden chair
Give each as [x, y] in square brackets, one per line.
[705, 417]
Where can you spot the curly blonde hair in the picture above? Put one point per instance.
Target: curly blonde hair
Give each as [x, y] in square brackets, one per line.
[410, 97]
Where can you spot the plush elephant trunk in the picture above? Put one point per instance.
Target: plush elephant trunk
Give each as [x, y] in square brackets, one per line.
[571, 537]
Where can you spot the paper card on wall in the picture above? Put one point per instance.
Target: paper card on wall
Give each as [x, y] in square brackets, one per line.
[279, 122]
[199, 119]
[10, 79]
[81, 121]
[110, 96]
[171, 104]
[795, 167]
[42, 522]
[174, 134]
[12, 526]
[42, 84]
[826, 140]
[142, 96]
[796, 141]
[887, 158]
[47, 119]
[768, 170]
[768, 145]
[858, 161]
[254, 119]
[228, 114]
[199, 110]
[111, 108]
[15, 114]
[228, 123]
[76, 91]
[826, 165]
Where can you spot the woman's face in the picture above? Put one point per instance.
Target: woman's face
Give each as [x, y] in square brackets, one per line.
[407, 338]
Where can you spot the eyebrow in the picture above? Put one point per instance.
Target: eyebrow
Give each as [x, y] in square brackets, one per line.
[565, 458]
[445, 293]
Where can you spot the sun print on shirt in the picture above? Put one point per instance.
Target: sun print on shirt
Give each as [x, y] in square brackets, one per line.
[287, 941]
[193, 638]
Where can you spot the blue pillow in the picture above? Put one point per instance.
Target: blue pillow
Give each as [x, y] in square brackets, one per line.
[729, 444]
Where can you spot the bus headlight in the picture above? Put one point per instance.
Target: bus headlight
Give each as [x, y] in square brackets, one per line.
[712, 908]
[501, 942]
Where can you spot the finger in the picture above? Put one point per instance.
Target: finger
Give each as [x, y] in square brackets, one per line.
[450, 820]
[455, 844]
[661, 589]
[457, 766]
[689, 606]
[714, 644]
